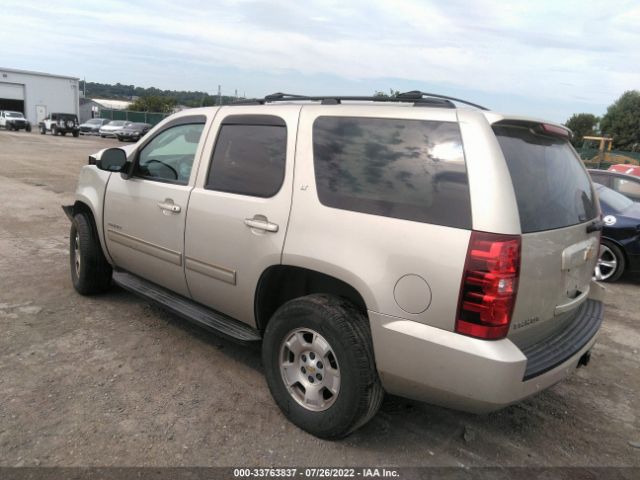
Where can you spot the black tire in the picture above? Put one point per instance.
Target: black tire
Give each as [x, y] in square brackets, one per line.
[43, 130]
[54, 130]
[28, 128]
[621, 262]
[9, 127]
[347, 331]
[93, 273]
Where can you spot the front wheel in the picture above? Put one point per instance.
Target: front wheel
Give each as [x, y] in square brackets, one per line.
[90, 271]
[611, 262]
[54, 130]
[43, 130]
[319, 364]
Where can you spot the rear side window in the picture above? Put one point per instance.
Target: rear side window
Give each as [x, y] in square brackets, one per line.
[407, 169]
[249, 156]
[552, 188]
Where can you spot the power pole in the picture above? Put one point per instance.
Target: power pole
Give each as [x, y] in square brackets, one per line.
[219, 95]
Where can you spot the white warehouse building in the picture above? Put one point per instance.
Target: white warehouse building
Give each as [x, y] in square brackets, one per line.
[38, 94]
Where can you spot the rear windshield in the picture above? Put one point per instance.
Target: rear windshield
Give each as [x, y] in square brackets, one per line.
[551, 186]
[407, 169]
[66, 116]
[614, 200]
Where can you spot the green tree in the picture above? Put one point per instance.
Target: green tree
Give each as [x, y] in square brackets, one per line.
[392, 93]
[153, 103]
[622, 121]
[581, 124]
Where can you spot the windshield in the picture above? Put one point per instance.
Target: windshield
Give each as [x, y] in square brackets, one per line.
[95, 121]
[14, 115]
[612, 199]
[117, 123]
[66, 116]
[552, 187]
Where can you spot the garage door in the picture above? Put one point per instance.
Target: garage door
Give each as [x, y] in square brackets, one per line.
[11, 91]
[11, 96]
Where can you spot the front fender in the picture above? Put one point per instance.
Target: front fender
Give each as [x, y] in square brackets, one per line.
[91, 190]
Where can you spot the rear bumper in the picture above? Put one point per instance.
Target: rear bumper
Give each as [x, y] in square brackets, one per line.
[441, 367]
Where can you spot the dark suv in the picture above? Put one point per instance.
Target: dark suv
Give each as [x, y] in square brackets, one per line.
[60, 124]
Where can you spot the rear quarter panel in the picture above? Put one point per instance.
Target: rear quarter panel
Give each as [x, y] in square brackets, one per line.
[372, 253]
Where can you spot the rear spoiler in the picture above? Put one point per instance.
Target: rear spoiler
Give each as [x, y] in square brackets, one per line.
[540, 127]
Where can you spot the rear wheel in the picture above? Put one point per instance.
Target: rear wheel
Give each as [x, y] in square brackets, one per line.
[611, 262]
[54, 130]
[90, 271]
[43, 130]
[320, 368]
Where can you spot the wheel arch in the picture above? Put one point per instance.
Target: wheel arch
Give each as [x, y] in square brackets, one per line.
[619, 245]
[280, 283]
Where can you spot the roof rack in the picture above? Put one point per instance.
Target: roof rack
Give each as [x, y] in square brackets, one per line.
[416, 97]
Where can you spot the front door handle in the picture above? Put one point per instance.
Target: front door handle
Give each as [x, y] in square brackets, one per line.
[261, 223]
[169, 206]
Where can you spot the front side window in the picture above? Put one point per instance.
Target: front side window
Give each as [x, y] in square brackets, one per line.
[249, 157]
[407, 169]
[169, 156]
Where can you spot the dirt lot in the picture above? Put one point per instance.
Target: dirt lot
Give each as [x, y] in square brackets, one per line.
[111, 380]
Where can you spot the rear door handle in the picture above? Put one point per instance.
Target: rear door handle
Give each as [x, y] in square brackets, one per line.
[169, 206]
[571, 304]
[261, 224]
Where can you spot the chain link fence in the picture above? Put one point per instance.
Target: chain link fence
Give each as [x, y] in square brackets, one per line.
[593, 158]
[152, 118]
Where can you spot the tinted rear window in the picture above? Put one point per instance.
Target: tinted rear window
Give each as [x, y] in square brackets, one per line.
[408, 169]
[551, 186]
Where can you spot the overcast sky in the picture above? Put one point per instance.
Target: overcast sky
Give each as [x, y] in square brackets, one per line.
[544, 58]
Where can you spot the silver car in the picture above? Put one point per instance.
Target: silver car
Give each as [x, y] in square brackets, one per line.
[412, 245]
[111, 128]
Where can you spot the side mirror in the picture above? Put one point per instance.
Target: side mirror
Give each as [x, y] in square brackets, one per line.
[112, 160]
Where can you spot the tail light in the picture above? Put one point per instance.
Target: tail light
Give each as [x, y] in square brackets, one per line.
[489, 285]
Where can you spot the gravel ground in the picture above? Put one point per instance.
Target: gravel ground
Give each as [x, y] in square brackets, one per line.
[114, 381]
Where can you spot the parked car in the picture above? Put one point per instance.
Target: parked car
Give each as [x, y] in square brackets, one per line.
[60, 124]
[625, 168]
[92, 126]
[133, 132]
[14, 120]
[314, 225]
[620, 244]
[627, 185]
[110, 129]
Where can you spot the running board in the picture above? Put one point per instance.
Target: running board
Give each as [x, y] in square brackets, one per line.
[187, 309]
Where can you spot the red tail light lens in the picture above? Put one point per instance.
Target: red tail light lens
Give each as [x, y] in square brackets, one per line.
[489, 285]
